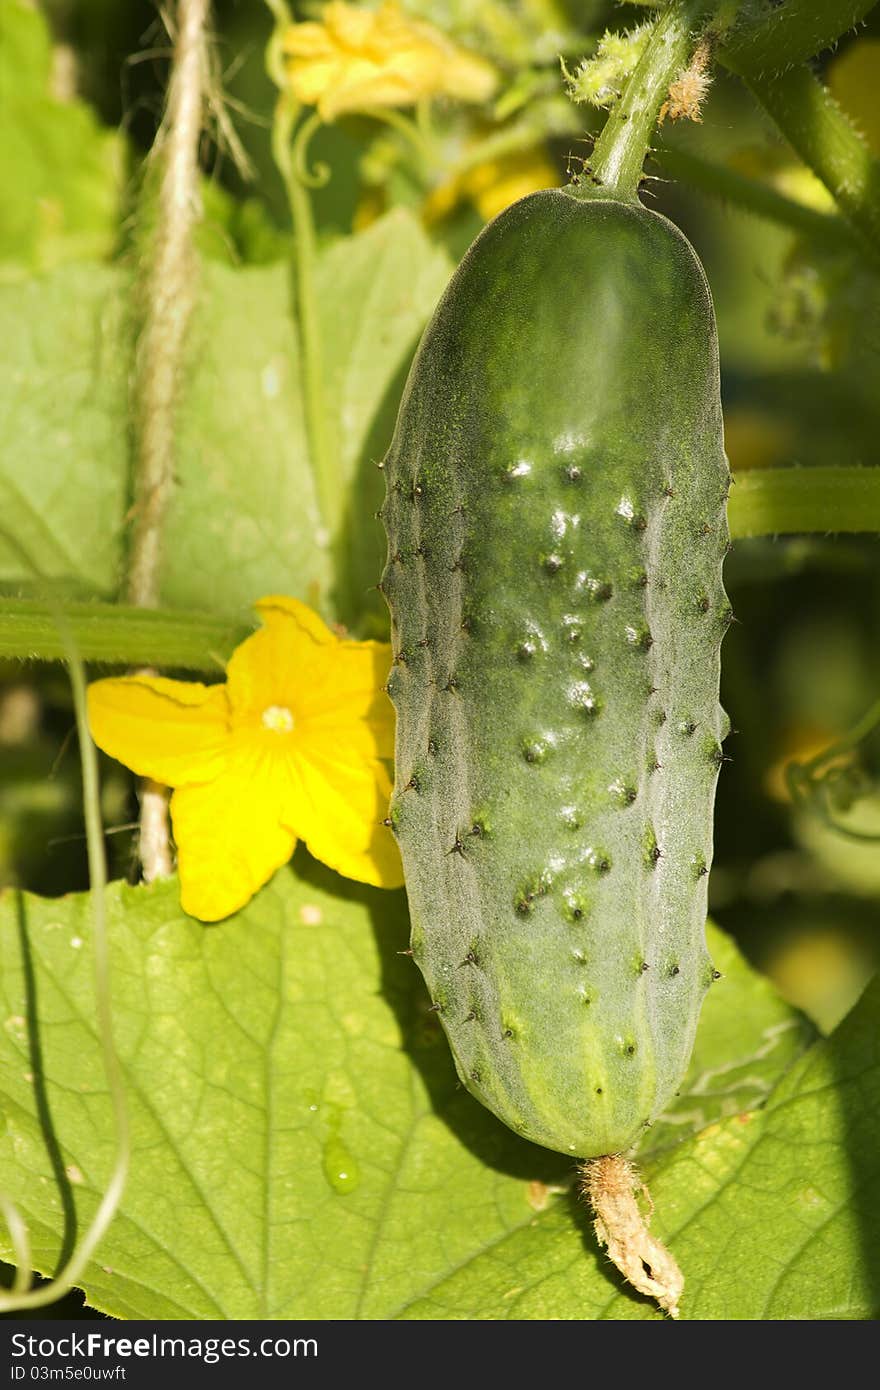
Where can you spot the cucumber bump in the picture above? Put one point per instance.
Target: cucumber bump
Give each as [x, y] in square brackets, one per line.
[556, 525]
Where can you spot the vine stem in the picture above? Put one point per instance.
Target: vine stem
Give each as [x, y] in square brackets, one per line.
[791, 33]
[169, 299]
[763, 502]
[117, 635]
[615, 167]
[780, 501]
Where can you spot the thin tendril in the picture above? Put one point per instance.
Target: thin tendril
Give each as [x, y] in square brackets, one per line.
[21, 1296]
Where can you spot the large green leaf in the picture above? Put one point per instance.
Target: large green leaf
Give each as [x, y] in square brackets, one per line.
[62, 175]
[243, 519]
[63, 425]
[301, 1146]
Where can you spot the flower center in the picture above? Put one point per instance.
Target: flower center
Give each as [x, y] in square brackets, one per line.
[277, 718]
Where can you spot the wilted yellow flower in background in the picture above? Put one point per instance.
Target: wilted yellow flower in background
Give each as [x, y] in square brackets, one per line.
[292, 747]
[493, 185]
[363, 60]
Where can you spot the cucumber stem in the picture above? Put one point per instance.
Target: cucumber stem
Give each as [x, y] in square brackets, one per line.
[763, 502]
[615, 167]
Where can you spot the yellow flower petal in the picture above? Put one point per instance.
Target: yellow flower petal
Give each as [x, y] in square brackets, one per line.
[276, 664]
[291, 746]
[339, 812]
[175, 732]
[306, 618]
[332, 688]
[230, 839]
[345, 708]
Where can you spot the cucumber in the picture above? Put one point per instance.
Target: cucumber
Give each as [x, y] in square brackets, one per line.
[556, 526]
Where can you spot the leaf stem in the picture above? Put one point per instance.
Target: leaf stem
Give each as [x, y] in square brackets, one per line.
[119, 635]
[763, 502]
[615, 167]
[780, 501]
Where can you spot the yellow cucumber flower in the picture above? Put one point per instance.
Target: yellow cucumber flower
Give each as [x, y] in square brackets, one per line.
[292, 747]
[364, 60]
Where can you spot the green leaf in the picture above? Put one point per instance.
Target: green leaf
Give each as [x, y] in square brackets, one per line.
[64, 359]
[243, 520]
[61, 173]
[376, 291]
[301, 1145]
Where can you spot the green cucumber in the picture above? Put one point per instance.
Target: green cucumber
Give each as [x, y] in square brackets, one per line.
[556, 525]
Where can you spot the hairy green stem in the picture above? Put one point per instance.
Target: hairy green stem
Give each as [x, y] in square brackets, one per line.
[718, 180]
[790, 34]
[779, 501]
[829, 144]
[764, 502]
[615, 167]
[118, 635]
